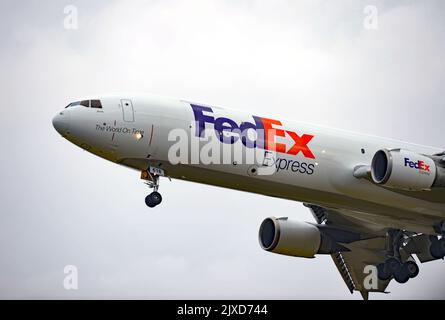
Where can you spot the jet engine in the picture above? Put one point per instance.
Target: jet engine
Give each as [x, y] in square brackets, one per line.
[403, 169]
[294, 238]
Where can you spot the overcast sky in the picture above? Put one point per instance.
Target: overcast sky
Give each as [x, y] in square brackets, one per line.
[310, 61]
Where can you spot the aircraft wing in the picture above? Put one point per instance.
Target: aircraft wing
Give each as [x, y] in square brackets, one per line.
[368, 250]
[352, 264]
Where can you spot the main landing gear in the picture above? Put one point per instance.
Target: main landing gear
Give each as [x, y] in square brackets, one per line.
[437, 247]
[401, 272]
[152, 180]
[393, 265]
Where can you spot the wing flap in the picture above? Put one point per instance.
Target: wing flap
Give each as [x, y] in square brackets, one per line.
[369, 252]
[344, 270]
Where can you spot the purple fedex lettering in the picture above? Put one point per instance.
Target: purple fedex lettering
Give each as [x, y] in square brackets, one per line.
[259, 129]
[227, 125]
[223, 124]
[408, 163]
[201, 118]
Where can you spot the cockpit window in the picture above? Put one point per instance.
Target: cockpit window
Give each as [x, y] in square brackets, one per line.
[73, 104]
[86, 103]
[96, 104]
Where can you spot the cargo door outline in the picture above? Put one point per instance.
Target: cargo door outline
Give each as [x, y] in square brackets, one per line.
[127, 110]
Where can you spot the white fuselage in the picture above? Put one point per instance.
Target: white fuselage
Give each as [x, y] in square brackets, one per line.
[312, 164]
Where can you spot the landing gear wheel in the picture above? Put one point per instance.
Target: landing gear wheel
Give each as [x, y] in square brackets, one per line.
[442, 246]
[437, 249]
[412, 268]
[393, 265]
[149, 202]
[153, 199]
[382, 272]
[156, 197]
[402, 275]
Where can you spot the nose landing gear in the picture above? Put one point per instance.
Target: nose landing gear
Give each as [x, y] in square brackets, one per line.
[152, 176]
[153, 199]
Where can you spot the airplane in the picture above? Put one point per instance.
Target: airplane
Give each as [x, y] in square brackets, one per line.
[377, 202]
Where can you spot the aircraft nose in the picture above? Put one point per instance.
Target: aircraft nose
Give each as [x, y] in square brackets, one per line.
[61, 122]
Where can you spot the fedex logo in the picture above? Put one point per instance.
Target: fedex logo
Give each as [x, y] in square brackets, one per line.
[420, 165]
[267, 131]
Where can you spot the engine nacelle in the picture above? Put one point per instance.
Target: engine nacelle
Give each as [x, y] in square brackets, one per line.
[291, 238]
[403, 169]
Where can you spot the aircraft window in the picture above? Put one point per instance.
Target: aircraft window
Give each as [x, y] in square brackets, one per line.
[77, 103]
[85, 103]
[96, 104]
